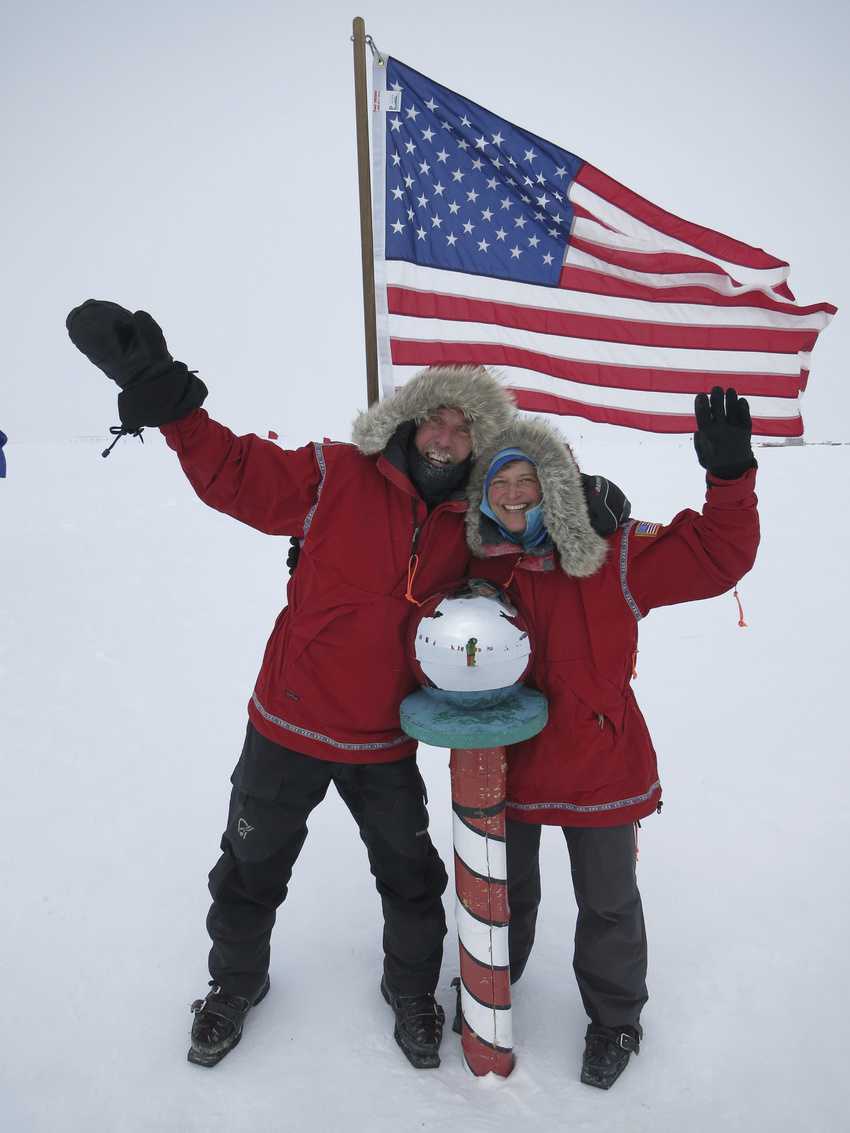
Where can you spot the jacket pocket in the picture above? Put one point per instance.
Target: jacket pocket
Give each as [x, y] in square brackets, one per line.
[594, 702]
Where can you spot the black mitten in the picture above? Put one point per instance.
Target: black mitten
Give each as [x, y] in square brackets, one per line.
[131, 350]
[607, 506]
[722, 439]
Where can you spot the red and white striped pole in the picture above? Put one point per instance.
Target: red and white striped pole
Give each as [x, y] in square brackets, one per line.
[478, 803]
[469, 649]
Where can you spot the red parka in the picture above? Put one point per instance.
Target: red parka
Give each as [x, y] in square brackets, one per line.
[335, 667]
[594, 763]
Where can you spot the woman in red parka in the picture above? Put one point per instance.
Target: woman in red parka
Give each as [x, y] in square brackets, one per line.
[592, 771]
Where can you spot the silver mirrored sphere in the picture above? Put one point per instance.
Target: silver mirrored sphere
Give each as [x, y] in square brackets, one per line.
[472, 642]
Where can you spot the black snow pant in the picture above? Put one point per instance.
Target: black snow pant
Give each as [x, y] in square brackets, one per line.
[274, 791]
[610, 939]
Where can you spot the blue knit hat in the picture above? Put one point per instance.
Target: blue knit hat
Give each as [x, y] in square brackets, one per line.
[535, 531]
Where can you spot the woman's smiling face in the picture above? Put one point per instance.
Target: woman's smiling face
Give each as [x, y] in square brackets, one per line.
[513, 491]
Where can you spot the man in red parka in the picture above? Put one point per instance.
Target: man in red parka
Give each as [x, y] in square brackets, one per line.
[381, 525]
[592, 770]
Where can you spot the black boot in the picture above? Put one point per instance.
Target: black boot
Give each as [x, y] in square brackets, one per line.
[606, 1053]
[217, 1027]
[418, 1026]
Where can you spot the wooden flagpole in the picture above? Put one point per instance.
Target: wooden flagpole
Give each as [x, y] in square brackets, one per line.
[365, 186]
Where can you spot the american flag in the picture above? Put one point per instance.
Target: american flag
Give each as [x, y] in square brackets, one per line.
[495, 246]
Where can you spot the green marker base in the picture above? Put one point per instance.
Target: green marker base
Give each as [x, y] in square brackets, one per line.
[435, 720]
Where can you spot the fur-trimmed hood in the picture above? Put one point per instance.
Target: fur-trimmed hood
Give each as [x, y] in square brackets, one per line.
[473, 390]
[581, 550]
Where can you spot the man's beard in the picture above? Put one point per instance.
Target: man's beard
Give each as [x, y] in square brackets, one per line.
[435, 483]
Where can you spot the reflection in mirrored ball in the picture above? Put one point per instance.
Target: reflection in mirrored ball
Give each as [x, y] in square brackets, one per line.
[471, 644]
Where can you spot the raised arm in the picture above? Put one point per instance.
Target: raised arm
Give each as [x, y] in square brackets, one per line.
[251, 479]
[700, 555]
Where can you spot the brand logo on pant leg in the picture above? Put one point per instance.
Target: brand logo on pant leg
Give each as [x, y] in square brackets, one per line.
[243, 828]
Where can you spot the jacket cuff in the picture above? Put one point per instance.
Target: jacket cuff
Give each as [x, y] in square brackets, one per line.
[731, 492]
[185, 426]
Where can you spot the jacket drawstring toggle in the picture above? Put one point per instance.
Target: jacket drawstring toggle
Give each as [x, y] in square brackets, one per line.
[741, 623]
[119, 431]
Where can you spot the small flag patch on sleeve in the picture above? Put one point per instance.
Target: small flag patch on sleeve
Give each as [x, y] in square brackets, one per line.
[644, 528]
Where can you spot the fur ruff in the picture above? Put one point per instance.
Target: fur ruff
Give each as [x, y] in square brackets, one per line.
[482, 399]
[582, 552]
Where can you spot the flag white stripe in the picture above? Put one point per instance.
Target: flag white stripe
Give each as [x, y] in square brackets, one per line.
[406, 327]
[597, 233]
[400, 273]
[629, 225]
[641, 401]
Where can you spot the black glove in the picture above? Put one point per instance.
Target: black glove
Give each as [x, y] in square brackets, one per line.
[722, 439]
[293, 553]
[131, 350]
[607, 506]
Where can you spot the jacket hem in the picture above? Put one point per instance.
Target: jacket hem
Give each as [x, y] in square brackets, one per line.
[309, 742]
[616, 813]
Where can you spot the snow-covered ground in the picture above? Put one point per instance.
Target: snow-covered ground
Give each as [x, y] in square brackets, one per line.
[133, 622]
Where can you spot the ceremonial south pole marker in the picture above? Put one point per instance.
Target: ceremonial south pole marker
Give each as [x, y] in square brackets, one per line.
[478, 803]
[465, 653]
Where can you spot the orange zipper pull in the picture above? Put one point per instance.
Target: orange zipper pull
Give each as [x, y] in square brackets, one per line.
[412, 567]
[513, 572]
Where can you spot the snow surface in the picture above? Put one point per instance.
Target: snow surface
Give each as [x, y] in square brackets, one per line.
[197, 160]
[134, 620]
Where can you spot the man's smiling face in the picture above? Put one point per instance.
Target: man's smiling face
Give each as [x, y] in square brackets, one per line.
[444, 438]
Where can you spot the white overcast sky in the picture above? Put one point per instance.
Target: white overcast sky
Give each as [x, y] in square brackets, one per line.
[197, 159]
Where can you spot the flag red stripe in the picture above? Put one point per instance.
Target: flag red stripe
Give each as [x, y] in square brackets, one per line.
[414, 352]
[433, 305]
[598, 283]
[705, 239]
[537, 402]
[658, 263]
